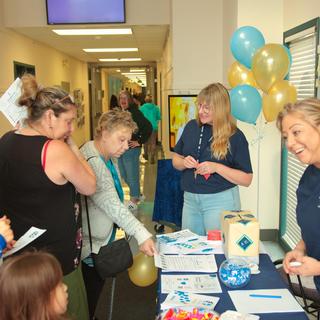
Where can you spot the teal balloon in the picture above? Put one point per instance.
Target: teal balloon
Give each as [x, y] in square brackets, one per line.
[290, 61]
[246, 103]
[244, 43]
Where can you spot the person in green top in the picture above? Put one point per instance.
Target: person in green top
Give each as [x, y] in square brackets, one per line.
[152, 113]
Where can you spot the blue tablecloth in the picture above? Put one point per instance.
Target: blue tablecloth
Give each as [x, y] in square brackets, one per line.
[269, 278]
[168, 199]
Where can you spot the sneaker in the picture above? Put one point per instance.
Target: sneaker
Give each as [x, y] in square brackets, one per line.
[132, 206]
[142, 197]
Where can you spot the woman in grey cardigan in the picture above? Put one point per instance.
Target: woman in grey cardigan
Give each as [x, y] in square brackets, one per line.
[106, 206]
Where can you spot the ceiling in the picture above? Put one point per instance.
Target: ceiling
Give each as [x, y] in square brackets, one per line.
[149, 40]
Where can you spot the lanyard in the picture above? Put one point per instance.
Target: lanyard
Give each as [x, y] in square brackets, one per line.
[115, 177]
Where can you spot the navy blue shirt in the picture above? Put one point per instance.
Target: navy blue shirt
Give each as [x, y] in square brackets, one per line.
[308, 213]
[237, 158]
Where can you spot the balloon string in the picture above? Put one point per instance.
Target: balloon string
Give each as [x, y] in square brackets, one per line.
[260, 133]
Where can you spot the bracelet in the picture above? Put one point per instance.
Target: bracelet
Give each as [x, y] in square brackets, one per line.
[3, 242]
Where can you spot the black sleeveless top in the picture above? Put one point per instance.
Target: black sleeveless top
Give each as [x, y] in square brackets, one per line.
[29, 198]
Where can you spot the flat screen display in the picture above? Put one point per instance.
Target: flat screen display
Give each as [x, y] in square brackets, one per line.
[85, 11]
[182, 109]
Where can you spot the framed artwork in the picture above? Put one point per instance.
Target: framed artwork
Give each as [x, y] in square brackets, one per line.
[182, 108]
[20, 68]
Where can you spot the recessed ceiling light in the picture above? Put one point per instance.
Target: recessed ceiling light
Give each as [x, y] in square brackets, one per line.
[120, 59]
[110, 49]
[137, 70]
[88, 32]
[133, 73]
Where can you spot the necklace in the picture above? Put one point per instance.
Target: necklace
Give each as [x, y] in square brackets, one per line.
[34, 129]
[99, 148]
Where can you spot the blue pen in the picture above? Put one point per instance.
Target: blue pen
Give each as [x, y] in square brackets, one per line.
[207, 250]
[264, 296]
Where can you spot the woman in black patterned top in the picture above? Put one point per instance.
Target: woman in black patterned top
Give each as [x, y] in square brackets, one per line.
[41, 170]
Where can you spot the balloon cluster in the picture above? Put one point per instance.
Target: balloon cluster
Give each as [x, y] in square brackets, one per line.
[258, 66]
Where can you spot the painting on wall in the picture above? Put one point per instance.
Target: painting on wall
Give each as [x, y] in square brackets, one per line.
[78, 100]
[182, 108]
[20, 69]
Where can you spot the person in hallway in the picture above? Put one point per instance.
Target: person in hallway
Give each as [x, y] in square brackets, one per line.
[152, 113]
[299, 124]
[113, 102]
[41, 171]
[129, 161]
[106, 207]
[213, 156]
[31, 287]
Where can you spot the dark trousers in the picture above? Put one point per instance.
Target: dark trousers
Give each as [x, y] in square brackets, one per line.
[94, 285]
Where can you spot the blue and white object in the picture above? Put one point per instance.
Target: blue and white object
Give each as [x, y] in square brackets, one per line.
[234, 273]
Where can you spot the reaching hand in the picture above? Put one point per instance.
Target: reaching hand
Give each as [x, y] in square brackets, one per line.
[5, 229]
[189, 162]
[148, 247]
[206, 167]
[294, 255]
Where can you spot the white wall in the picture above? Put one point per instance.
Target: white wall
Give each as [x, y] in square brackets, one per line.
[196, 39]
[263, 195]
[296, 12]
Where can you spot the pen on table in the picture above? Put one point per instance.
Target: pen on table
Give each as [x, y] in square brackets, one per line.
[253, 295]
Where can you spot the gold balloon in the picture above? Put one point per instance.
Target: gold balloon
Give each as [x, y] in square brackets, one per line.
[282, 92]
[143, 271]
[269, 65]
[238, 74]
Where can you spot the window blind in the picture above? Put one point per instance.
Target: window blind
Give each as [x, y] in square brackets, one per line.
[303, 48]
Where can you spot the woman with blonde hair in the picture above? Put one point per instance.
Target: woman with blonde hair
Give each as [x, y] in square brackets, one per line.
[299, 124]
[213, 156]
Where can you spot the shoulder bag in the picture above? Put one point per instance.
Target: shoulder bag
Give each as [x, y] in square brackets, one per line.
[112, 258]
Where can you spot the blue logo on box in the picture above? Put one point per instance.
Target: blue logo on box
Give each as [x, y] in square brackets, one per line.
[244, 242]
[244, 222]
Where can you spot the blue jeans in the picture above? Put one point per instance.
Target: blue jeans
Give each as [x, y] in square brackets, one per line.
[201, 212]
[129, 167]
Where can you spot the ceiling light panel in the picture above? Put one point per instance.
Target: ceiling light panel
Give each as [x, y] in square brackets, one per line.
[110, 49]
[88, 32]
[120, 59]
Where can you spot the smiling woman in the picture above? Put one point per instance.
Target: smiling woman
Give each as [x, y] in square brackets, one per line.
[299, 124]
[213, 156]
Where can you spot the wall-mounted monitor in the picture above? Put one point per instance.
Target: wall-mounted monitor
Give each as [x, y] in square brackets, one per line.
[182, 108]
[85, 11]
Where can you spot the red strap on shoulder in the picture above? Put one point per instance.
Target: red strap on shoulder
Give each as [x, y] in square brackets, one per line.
[44, 156]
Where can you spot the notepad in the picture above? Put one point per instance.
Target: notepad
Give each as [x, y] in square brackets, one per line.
[264, 301]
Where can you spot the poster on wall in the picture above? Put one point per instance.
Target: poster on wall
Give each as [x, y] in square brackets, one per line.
[182, 109]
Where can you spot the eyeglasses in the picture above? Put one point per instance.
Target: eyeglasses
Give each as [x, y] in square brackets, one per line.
[205, 107]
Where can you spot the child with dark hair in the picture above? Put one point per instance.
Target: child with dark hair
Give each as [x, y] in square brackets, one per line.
[31, 287]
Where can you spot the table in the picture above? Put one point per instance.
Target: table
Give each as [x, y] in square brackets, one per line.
[269, 278]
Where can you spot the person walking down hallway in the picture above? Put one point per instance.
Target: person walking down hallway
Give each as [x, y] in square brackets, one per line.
[152, 113]
[213, 156]
[40, 170]
[129, 162]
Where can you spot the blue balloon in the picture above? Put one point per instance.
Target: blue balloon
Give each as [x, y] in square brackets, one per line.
[246, 103]
[244, 43]
[290, 61]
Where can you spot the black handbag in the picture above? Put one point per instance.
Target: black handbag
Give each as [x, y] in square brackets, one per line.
[112, 258]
